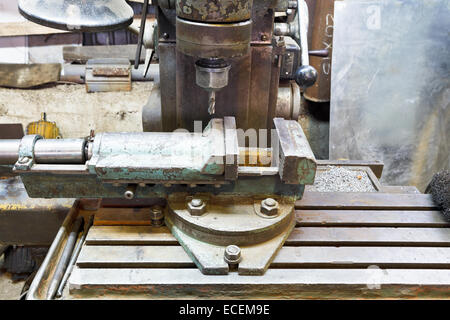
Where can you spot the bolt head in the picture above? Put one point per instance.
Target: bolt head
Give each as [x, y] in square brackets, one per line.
[24, 160]
[269, 207]
[196, 202]
[196, 207]
[128, 194]
[232, 254]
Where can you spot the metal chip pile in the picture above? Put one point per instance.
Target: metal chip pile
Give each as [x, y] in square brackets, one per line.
[340, 179]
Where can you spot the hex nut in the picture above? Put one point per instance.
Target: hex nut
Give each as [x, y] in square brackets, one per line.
[156, 216]
[269, 207]
[212, 78]
[196, 207]
[232, 254]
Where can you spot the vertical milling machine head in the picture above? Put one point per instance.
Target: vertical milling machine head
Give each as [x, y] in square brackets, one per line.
[213, 32]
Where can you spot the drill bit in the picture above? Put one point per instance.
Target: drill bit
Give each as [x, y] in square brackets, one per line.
[212, 102]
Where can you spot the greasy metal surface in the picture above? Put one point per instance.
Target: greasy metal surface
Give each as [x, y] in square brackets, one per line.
[103, 256]
[28, 75]
[81, 54]
[192, 101]
[229, 220]
[309, 283]
[355, 235]
[370, 218]
[213, 40]
[83, 185]
[217, 11]
[209, 257]
[160, 156]
[78, 15]
[322, 38]
[26, 221]
[252, 79]
[316, 262]
[169, 73]
[297, 162]
[366, 201]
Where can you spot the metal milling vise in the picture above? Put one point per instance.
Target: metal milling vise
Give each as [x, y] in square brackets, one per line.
[223, 54]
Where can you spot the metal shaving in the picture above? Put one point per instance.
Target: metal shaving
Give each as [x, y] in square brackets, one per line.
[340, 179]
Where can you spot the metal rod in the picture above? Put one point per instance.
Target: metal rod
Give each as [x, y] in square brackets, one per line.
[141, 34]
[64, 260]
[46, 151]
[59, 151]
[54, 248]
[9, 151]
[76, 73]
[302, 15]
[74, 257]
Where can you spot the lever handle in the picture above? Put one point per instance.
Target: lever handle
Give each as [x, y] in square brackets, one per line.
[305, 76]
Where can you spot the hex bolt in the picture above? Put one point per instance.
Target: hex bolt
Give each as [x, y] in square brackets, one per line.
[130, 192]
[269, 207]
[196, 202]
[264, 37]
[156, 216]
[232, 254]
[270, 202]
[196, 207]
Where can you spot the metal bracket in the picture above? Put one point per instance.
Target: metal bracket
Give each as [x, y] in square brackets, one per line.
[230, 221]
[26, 152]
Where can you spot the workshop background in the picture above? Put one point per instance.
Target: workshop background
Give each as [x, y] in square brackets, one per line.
[380, 103]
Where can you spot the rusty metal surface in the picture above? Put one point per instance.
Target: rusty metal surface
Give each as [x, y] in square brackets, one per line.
[287, 257]
[372, 283]
[111, 71]
[321, 38]
[355, 235]
[297, 162]
[81, 54]
[233, 100]
[204, 40]
[26, 221]
[260, 87]
[370, 218]
[108, 74]
[384, 254]
[168, 73]
[366, 201]
[217, 11]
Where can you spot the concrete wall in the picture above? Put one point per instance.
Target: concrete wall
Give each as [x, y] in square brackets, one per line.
[75, 111]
